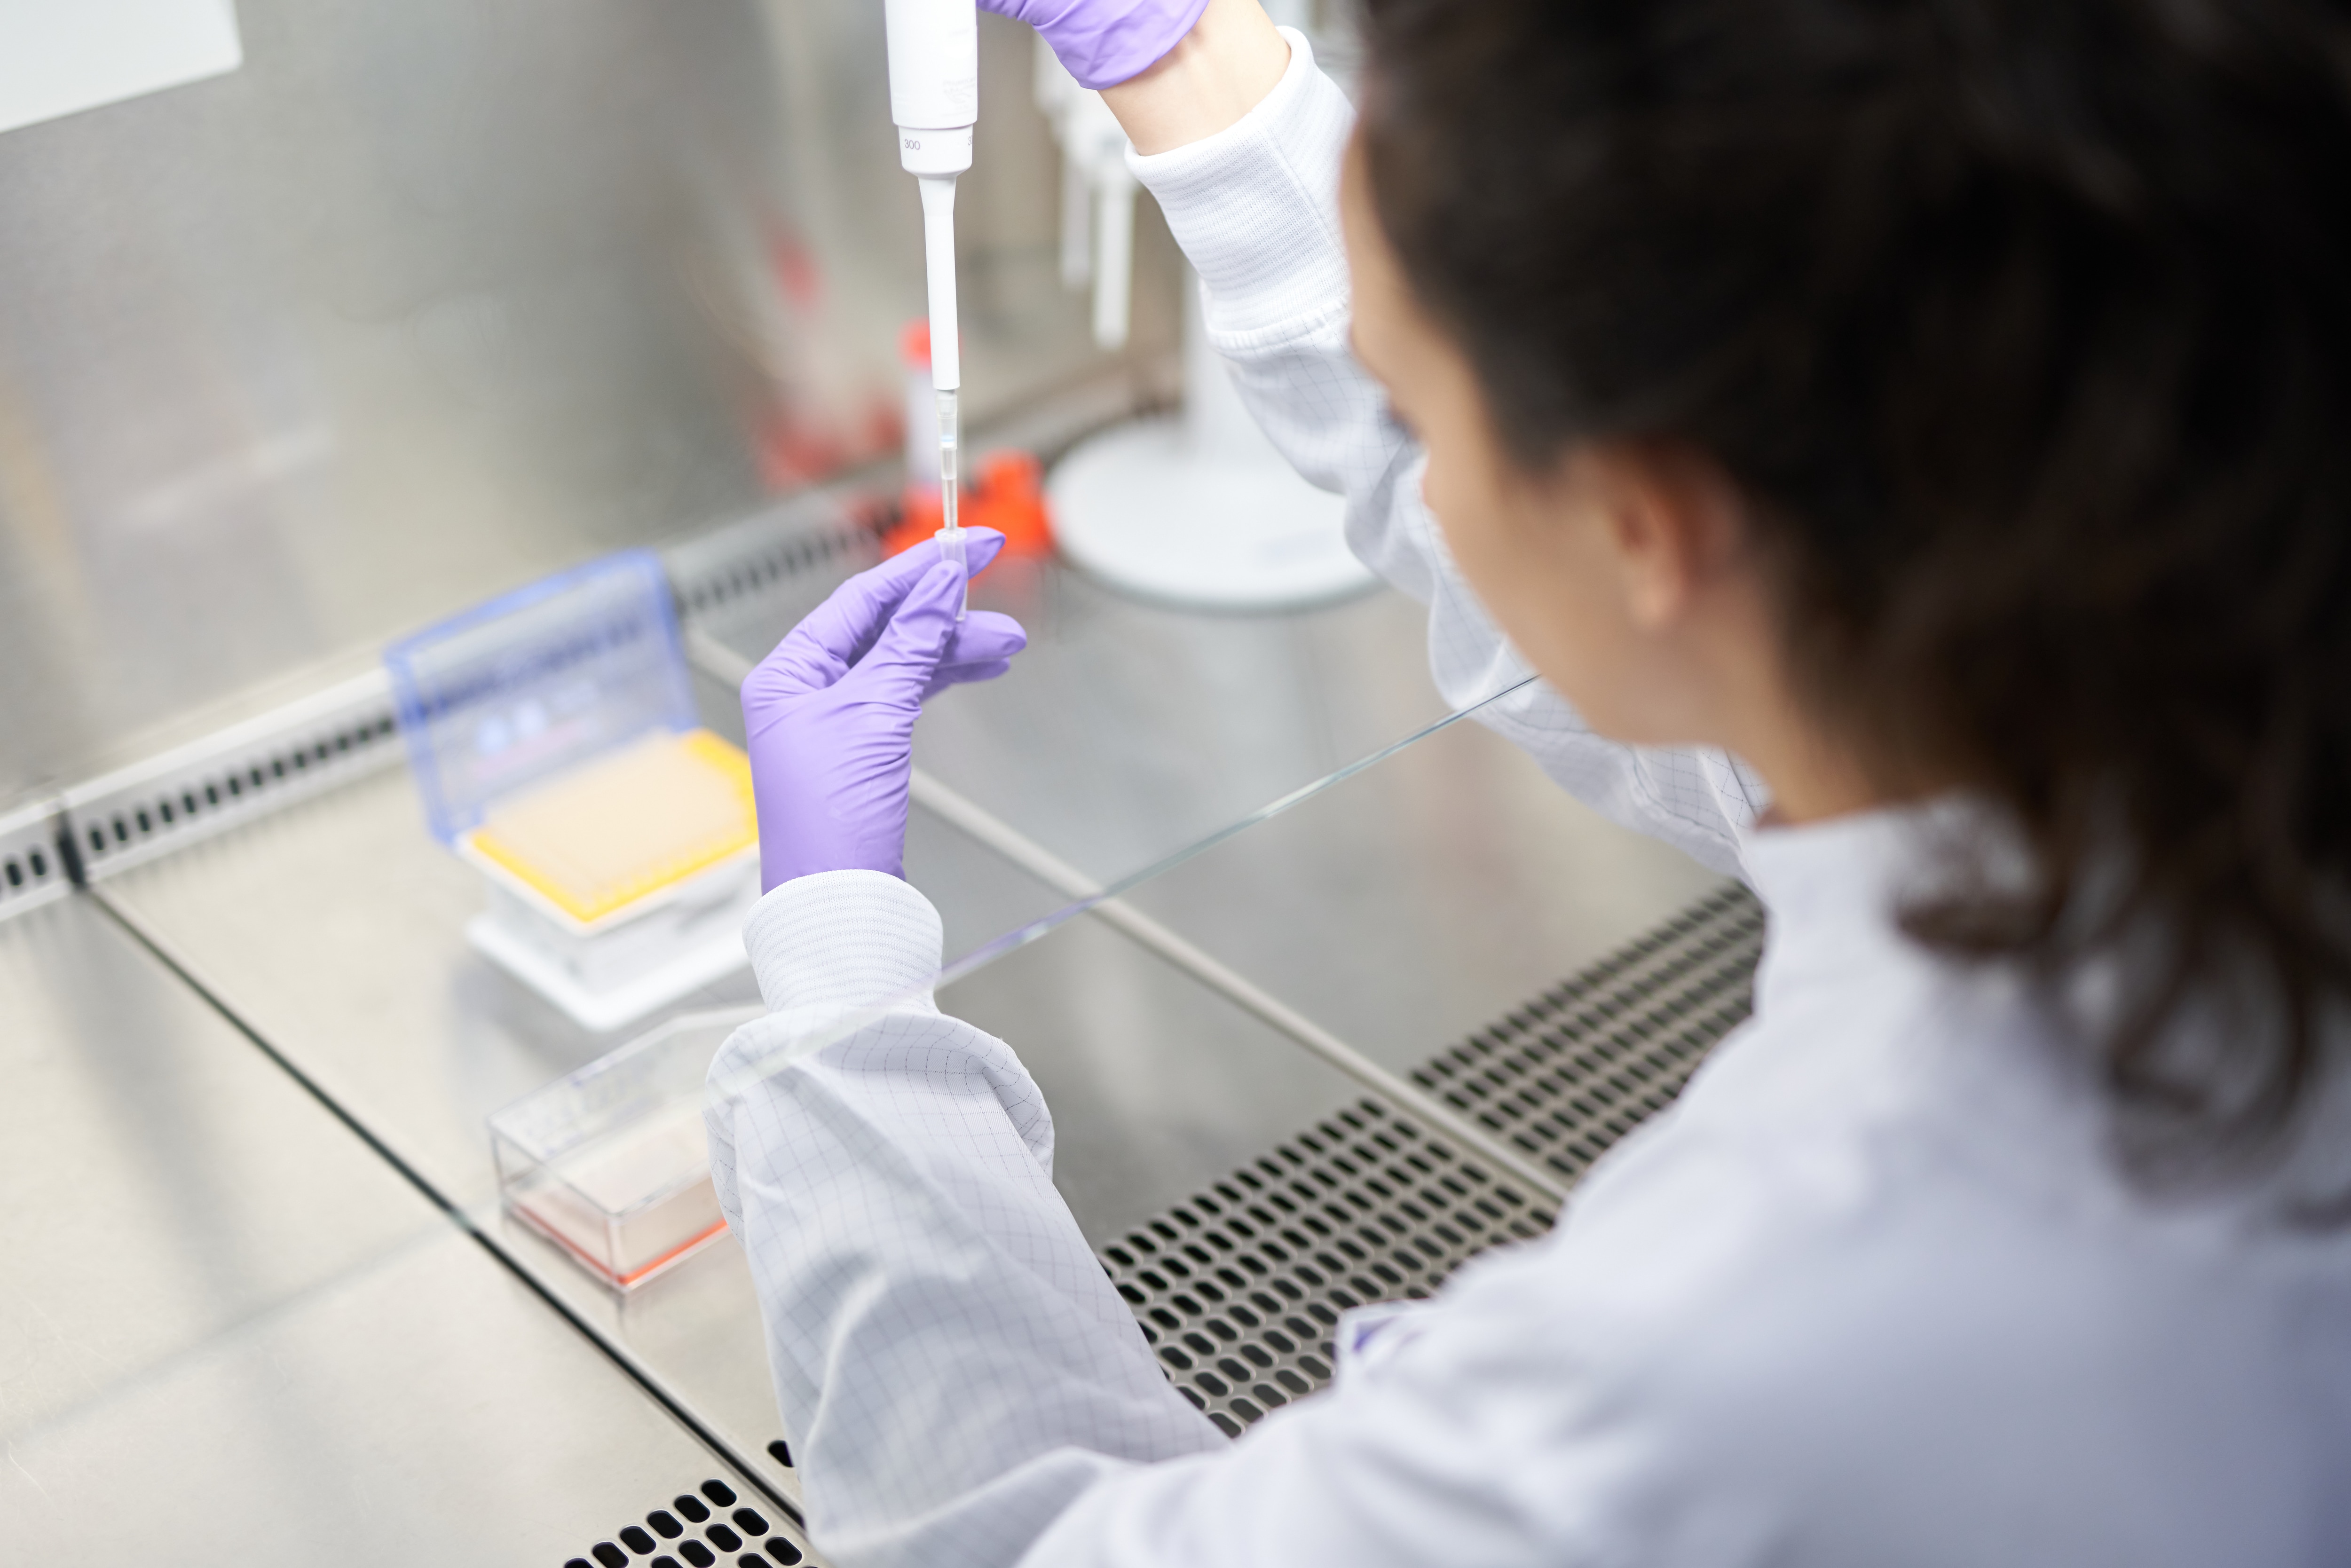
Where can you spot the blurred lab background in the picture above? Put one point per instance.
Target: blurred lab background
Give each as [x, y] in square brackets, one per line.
[425, 299]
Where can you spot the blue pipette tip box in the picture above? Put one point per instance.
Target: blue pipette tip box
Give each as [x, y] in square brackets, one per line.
[530, 684]
[554, 745]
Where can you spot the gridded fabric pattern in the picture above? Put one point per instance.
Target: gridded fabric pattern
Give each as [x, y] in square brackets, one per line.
[1239, 1288]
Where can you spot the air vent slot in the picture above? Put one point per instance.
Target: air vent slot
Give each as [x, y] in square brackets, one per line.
[33, 868]
[705, 1525]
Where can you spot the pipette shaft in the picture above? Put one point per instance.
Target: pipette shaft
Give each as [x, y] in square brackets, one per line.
[935, 102]
[946, 362]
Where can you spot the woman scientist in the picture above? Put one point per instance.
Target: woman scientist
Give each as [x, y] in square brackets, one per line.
[1943, 408]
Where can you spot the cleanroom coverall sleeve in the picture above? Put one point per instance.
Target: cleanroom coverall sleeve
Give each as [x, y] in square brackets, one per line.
[1256, 209]
[951, 1362]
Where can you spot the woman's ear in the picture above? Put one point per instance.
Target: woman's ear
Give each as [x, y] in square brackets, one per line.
[1670, 522]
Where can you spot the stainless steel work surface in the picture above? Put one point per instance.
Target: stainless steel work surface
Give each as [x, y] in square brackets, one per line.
[161, 1182]
[1424, 898]
[233, 1332]
[426, 1407]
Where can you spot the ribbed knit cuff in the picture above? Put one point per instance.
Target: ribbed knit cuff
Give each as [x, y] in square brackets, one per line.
[1256, 206]
[842, 940]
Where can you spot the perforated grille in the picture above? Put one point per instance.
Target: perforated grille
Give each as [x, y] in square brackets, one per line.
[127, 818]
[32, 872]
[1238, 1288]
[1582, 1065]
[700, 1527]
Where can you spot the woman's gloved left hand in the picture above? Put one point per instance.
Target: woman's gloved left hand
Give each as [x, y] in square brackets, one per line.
[829, 715]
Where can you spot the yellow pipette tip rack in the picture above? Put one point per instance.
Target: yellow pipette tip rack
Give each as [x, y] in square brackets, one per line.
[627, 825]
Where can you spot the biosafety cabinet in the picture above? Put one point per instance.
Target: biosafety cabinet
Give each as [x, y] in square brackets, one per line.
[350, 1169]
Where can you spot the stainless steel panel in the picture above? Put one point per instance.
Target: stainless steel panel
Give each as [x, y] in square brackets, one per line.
[161, 1182]
[1095, 903]
[1129, 731]
[232, 1332]
[1426, 897]
[432, 297]
[427, 1408]
[691, 1332]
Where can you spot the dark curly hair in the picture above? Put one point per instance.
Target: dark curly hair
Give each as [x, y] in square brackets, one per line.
[2026, 327]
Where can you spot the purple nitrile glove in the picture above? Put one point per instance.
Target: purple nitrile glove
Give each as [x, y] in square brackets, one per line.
[1105, 42]
[830, 715]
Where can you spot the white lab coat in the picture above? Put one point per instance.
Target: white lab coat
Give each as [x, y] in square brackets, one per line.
[1870, 1293]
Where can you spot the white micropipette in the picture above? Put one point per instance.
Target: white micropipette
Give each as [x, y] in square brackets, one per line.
[935, 99]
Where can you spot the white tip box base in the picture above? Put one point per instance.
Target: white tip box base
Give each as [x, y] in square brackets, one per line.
[609, 973]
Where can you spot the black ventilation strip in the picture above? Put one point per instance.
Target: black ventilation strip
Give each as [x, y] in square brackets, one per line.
[100, 832]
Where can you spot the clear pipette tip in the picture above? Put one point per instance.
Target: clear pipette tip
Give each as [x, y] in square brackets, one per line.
[950, 534]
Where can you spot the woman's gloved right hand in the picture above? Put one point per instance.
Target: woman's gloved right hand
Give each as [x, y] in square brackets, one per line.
[1105, 42]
